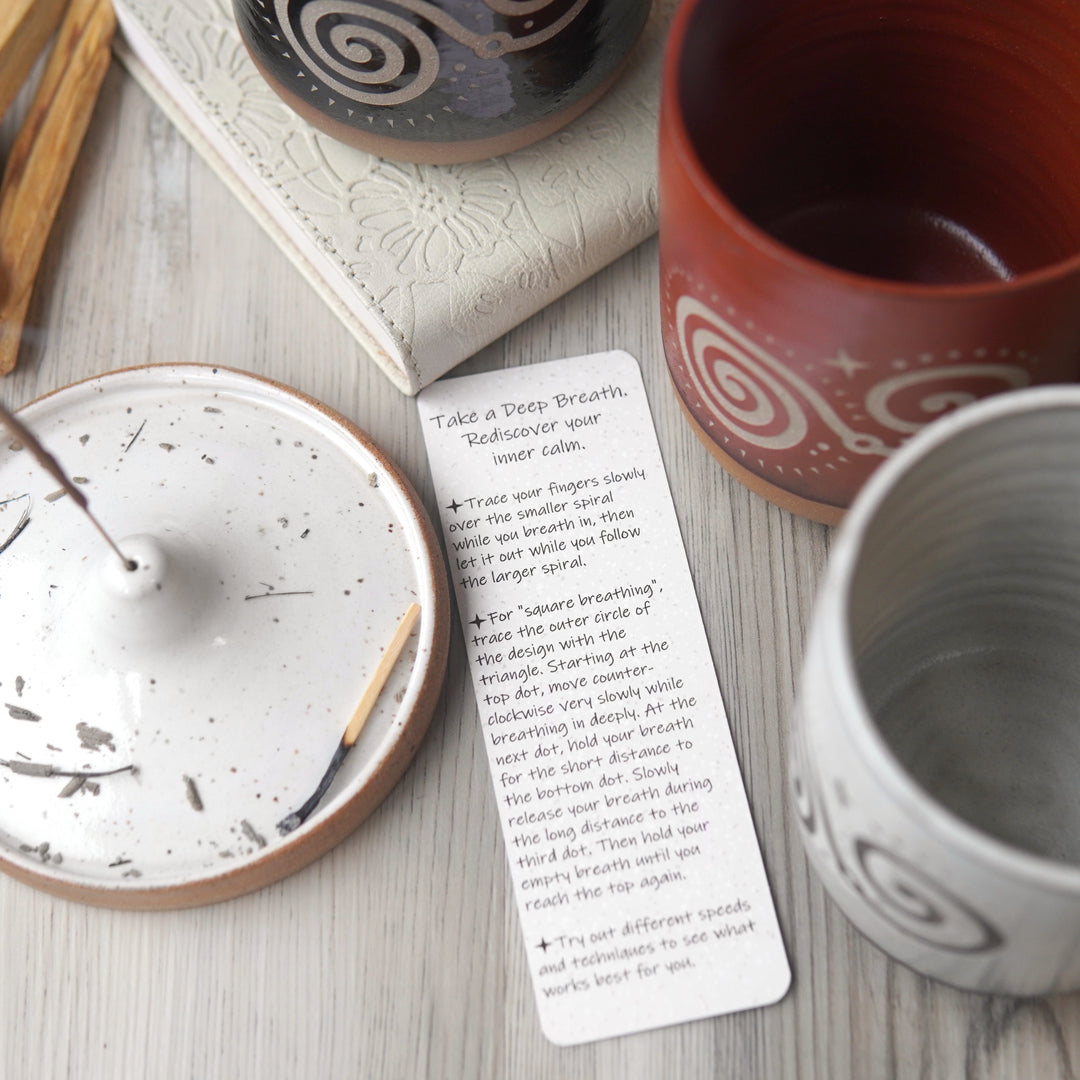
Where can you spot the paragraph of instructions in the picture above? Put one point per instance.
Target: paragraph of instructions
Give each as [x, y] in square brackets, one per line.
[639, 881]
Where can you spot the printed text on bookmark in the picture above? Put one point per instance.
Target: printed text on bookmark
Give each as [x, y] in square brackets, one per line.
[641, 891]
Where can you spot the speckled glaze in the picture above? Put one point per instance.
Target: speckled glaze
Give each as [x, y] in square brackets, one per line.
[869, 216]
[935, 769]
[276, 548]
[440, 81]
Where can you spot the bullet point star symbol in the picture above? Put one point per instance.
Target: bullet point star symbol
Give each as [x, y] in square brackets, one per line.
[454, 505]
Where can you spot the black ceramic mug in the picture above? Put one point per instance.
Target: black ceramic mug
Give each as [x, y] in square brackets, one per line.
[440, 80]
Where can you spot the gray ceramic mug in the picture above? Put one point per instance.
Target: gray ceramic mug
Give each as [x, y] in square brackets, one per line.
[936, 737]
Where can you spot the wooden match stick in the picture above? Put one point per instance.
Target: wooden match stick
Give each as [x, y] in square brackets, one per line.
[359, 718]
[43, 155]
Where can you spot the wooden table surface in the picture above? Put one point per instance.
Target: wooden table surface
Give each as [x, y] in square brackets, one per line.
[399, 954]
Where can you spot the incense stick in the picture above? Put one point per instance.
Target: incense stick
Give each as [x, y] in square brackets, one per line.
[43, 155]
[359, 718]
[52, 466]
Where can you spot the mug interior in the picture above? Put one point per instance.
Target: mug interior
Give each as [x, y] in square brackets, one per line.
[964, 627]
[930, 142]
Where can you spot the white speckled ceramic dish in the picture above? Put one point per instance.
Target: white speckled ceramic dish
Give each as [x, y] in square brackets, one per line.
[277, 549]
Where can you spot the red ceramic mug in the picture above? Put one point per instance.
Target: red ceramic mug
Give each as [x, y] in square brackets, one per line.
[869, 216]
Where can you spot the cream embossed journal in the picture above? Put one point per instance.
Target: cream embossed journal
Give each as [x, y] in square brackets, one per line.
[426, 264]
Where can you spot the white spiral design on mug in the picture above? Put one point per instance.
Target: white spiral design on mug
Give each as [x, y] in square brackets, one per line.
[369, 55]
[932, 405]
[359, 60]
[498, 43]
[734, 378]
[749, 390]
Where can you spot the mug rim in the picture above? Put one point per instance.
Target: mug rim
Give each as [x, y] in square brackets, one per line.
[673, 128]
[836, 629]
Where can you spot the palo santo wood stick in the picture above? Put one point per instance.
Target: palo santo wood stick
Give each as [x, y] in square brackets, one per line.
[42, 157]
[359, 718]
[25, 27]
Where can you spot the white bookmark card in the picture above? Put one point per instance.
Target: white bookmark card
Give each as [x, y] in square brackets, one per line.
[639, 882]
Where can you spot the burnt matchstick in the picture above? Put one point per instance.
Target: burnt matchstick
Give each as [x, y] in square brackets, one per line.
[359, 718]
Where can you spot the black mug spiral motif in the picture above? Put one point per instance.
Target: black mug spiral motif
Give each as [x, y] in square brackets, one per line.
[440, 80]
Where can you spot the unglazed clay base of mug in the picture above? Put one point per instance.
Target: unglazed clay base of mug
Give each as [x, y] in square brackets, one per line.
[794, 504]
[160, 721]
